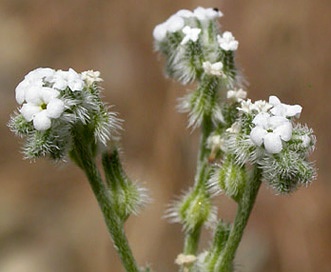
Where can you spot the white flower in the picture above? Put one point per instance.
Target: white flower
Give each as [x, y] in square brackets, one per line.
[185, 13]
[91, 76]
[173, 24]
[257, 107]
[39, 74]
[70, 78]
[203, 14]
[34, 79]
[236, 95]
[215, 69]
[271, 131]
[246, 106]
[42, 106]
[160, 32]
[262, 106]
[227, 42]
[281, 109]
[191, 34]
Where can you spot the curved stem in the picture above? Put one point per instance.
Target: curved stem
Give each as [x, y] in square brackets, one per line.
[114, 224]
[245, 207]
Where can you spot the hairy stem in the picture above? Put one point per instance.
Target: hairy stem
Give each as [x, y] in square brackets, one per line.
[245, 207]
[192, 237]
[85, 160]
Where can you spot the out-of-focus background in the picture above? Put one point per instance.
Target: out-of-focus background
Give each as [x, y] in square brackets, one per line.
[49, 219]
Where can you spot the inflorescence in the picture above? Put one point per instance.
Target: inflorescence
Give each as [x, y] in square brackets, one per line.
[54, 103]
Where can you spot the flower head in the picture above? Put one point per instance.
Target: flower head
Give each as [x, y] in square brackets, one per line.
[227, 42]
[54, 104]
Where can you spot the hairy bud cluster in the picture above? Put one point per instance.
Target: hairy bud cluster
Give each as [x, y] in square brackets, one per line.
[193, 45]
[52, 104]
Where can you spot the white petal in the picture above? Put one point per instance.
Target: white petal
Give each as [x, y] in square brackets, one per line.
[278, 110]
[55, 108]
[284, 131]
[76, 85]
[257, 135]
[160, 32]
[47, 94]
[262, 119]
[175, 23]
[185, 13]
[276, 121]
[20, 91]
[274, 100]
[293, 110]
[29, 110]
[33, 95]
[60, 84]
[41, 121]
[40, 73]
[272, 143]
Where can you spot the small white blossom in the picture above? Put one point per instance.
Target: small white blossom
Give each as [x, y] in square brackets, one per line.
[185, 13]
[70, 78]
[91, 76]
[40, 74]
[215, 69]
[236, 95]
[271, 131]
[160, 32]
[227, 42]
[257, 107]
[262, 106]
[42, 106]
[281, 109]
[203, 14]
[34, 79]
[191, 34]
[246, 106]
[173, 24]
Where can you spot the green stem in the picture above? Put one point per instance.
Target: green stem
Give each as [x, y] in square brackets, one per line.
[245, 207]
[192, 237]
[114, 224]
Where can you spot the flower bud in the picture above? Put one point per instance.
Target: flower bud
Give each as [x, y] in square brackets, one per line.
[229, 178]
[286, 171]
[127, 197]
[193, 210]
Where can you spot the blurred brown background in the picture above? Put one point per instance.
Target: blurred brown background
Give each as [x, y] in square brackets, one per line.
[49, 219]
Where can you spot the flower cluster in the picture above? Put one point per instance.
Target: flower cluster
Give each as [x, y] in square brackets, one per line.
[192, 44]
[264, 133]
[53, 103]
[196, 50]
